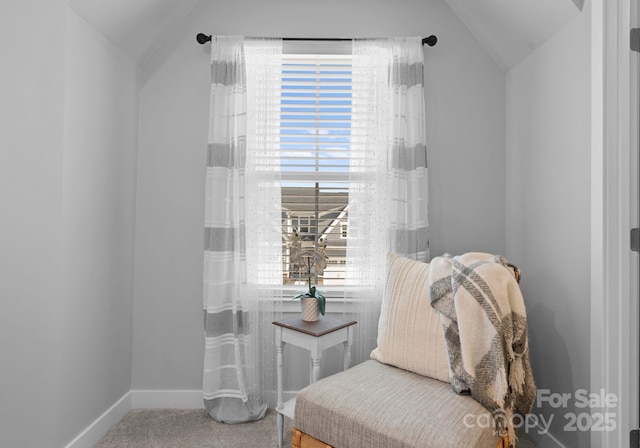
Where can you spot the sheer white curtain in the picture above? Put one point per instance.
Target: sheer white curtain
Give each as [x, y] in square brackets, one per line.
[263, 196]
[388, 173]
[406, 151]
[243, 245]
[241, 228]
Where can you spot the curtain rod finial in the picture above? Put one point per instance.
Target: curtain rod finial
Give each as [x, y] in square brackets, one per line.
[431, 40]
[203, 38]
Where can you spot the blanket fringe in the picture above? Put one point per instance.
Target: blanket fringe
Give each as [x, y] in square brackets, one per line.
[516, 375]
[501, 388]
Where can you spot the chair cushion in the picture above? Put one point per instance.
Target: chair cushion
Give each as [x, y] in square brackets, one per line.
[373, 405]
[410, 335]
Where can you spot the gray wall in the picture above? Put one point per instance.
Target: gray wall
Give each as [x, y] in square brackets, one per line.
[465, 104]
[548, 210]
[31, 145]
[98, 205]
[68, 162]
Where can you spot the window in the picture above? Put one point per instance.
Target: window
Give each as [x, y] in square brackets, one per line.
[315, 138]
[343, 230]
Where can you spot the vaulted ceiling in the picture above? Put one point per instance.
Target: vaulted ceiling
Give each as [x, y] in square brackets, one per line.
[508, 29]
[136, 26]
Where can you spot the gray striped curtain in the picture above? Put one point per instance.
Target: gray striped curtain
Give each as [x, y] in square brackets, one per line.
[388, 173]
[406, 150]
[231, 379]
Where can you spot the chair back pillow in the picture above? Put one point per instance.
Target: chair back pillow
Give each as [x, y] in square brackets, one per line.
[410, 335]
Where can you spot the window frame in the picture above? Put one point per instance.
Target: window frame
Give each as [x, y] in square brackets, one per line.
[318, 51]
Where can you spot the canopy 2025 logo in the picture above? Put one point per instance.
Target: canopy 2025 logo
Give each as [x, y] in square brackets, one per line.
[599, 413]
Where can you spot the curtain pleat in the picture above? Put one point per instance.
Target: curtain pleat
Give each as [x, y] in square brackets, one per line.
[388, 174]
[235, 378]
[263, 202]
[407, 153]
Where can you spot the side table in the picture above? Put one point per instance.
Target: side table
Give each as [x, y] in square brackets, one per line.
[315, 337]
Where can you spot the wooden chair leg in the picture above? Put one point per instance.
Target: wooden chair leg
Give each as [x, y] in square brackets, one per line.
[504, 442]
[302, 440]
[295, 438]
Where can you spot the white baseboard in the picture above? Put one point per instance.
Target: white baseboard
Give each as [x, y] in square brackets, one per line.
[174, 399]
[168, 399]
[140, 399]
[100, 426]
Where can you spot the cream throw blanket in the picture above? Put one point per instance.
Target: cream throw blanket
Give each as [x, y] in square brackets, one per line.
[484, 319]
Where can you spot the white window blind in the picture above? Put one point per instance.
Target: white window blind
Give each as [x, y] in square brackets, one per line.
[315, 139]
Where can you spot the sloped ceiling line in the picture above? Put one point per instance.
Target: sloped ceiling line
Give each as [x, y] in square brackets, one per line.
[137, 27]
[509, 30]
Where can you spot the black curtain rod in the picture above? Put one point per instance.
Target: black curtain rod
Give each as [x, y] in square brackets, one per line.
[203, 39]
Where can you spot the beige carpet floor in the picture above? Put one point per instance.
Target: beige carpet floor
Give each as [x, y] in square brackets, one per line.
[178, 428]
[190, 428]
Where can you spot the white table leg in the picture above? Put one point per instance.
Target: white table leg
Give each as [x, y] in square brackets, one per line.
[315, 371]
[280, 362]
[280, 430]
[347, 354]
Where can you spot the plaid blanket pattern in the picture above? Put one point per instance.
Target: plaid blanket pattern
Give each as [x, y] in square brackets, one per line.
[484, 319]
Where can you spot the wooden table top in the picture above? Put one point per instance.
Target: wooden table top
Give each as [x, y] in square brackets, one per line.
[319, 328]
